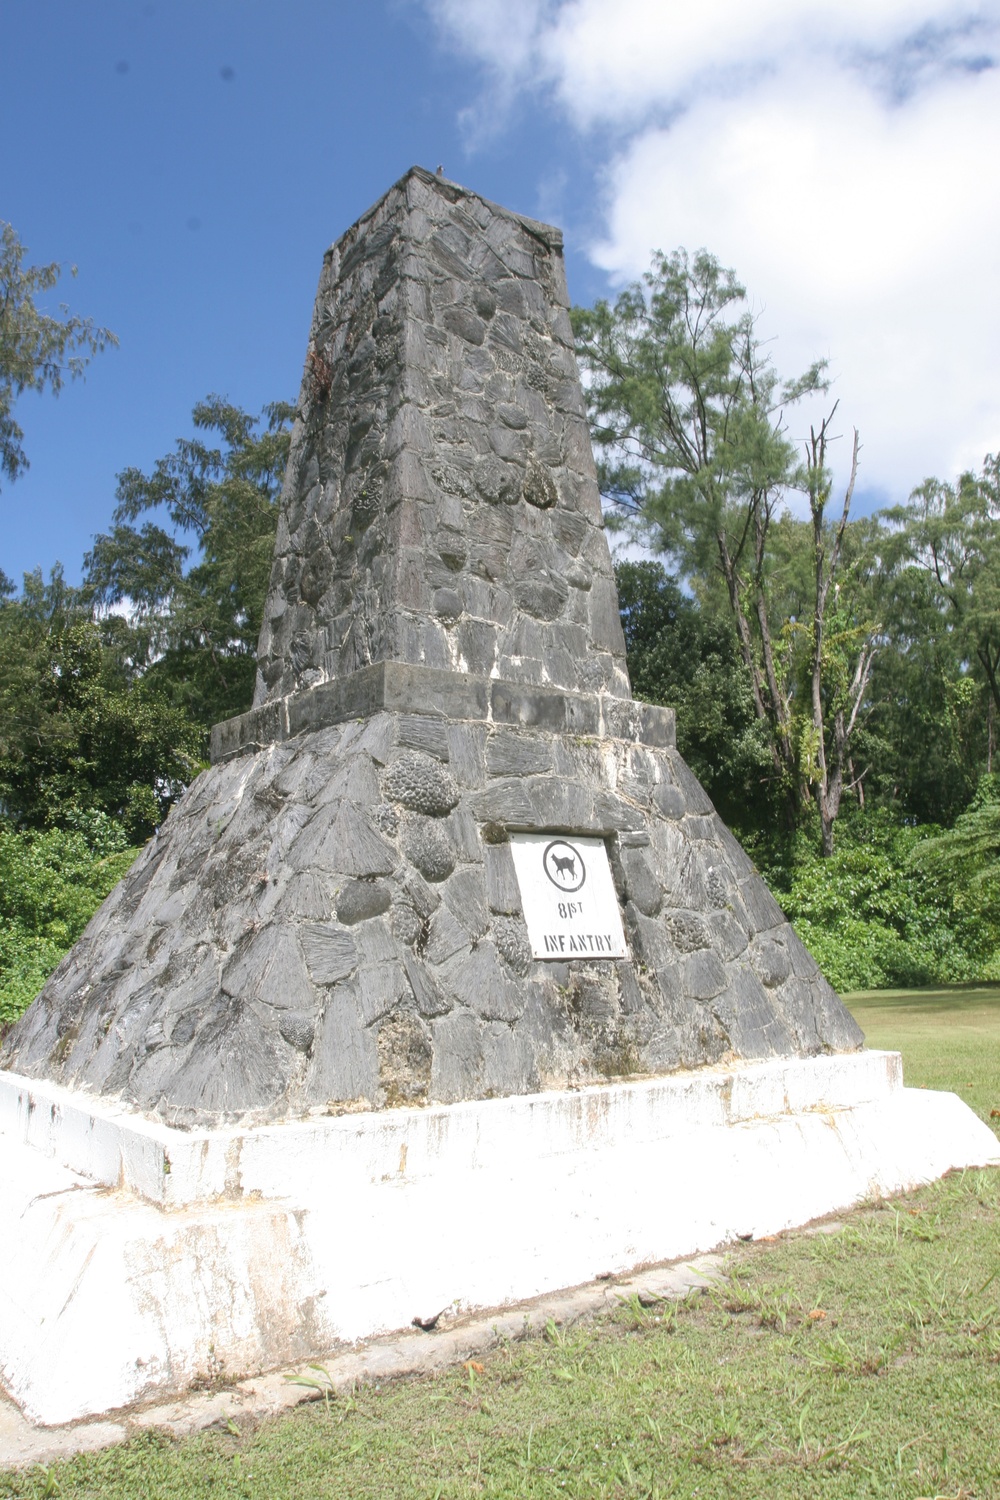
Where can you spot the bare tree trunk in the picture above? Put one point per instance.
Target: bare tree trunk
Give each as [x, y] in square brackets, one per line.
[830, 770]
[742, 626]
[990, 733]
[991, 666]
[772, 710]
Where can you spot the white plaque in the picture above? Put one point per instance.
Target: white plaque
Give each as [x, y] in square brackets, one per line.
[568, 896]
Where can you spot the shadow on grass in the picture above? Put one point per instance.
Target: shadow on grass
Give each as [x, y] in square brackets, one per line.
[957, 998]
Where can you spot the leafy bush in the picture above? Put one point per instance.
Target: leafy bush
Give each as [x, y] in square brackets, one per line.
[51, 883]
[887, 910]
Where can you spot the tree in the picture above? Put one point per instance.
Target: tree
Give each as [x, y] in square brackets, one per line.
[199, 623]
[37, 352]
[952, 532]
[683, 654]
[926, 740]
[688, 412]
[842, 644]
[970, 851]
[81, 732]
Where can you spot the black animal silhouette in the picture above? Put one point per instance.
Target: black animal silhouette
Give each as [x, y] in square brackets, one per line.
[565, 865]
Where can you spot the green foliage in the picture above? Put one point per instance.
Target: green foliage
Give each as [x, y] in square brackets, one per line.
[37, 352]
[51, 883]
[880, 913]
[199, 623]
[922, 697]
[899, 903]
[80, 730]
[952, 532]
[684, 656]
[685, 404]
[688, 411]
[968, 854]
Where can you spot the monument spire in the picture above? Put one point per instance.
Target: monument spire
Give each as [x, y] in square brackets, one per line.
[441, 506]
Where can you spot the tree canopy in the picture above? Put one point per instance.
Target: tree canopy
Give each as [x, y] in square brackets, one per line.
[38, 352]
[81, 730]
[195, 582]
[688, 412]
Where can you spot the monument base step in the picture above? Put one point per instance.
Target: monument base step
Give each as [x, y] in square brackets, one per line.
[136, 1259]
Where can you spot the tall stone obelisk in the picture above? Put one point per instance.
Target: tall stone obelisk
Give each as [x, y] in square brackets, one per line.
[331, 916]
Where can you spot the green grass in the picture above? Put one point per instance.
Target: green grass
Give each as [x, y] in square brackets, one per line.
[860, 1363]
[949, 1038]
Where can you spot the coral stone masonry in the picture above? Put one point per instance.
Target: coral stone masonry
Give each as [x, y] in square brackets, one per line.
[447, 929]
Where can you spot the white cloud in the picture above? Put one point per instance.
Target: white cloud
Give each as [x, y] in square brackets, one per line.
[615, 61]
[840, 156]
[502, 35]
[867, 235]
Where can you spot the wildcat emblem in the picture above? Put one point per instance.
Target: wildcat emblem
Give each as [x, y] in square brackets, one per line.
[564, 866]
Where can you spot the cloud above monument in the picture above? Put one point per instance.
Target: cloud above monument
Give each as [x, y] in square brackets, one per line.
[839, 156]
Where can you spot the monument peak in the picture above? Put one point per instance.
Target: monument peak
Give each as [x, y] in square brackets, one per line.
[441, 506]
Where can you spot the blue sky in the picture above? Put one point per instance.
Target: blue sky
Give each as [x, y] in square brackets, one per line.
[194, 158]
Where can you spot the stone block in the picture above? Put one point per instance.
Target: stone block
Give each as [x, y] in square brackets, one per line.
[479, 981]
[508, 1061]
[425, 733]
[456, 1067]
[340, 839]
[419, 782]
[465, 894]
[380, 987]
[429, 999]
[505, 803]
[465, 747]
[375, 942]
[532, 707]
[330, 953]
[748, 1017]
[702, 975]
[770, 959]
[641, 884]
[361, 899]
[445, 937]
[563, 804]
[762, 910]
[696, 798]
[502, 891]
[427, 845]
[344, 1058]
[270, 968]
[512, 753]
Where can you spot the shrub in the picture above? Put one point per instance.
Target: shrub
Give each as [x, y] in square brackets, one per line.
[884, 912]
[51, 883]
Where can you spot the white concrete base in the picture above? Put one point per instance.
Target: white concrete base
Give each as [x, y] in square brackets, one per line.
[135, 1258]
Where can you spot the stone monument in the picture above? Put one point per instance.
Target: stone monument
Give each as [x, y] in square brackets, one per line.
[447, 927]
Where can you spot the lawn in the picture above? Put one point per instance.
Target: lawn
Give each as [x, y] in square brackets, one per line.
[950, 1038]
[862, 1362]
